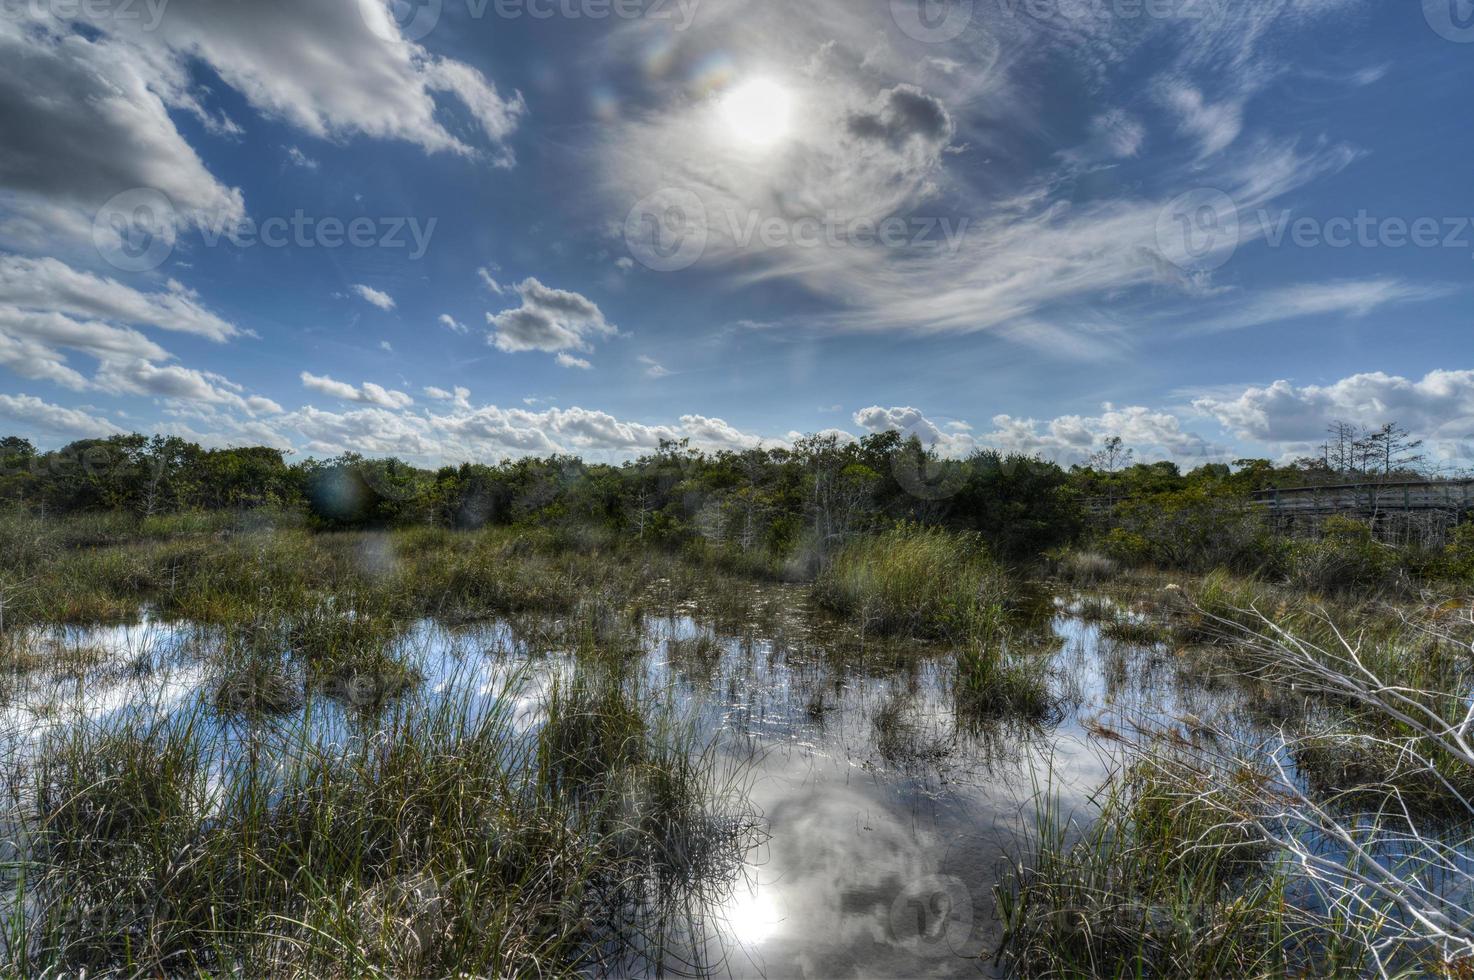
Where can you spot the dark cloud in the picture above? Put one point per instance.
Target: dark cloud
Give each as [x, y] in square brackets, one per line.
[902, 114]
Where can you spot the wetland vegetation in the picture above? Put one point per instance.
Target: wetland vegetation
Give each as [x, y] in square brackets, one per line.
[841, 709]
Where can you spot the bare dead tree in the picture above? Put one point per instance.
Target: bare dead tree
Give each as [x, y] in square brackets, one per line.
[1399, 884]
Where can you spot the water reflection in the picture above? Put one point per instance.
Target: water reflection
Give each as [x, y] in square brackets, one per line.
[889, 817]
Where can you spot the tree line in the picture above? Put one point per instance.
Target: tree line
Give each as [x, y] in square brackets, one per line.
[776, 501]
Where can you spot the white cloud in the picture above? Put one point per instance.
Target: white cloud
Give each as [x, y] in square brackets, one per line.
[548, 320]
[451, 323]
[374, 296]
[878, 419]
[86, 119]
[297, 158]
[1348, 297]
[32, 411]
[567, 360]
[489, 281]
[135, 376]
[46, 306]
[38, 362]
[653, 368]
[1119, 133]
[710, 433]
[1214, 126]
[489, 432]
[102, 102]
[51, 285]
[1439, 406]
[1066, 439]
[1039, 245]
[332, 70]
[1071, 438]
[369, 393]
[461, 397]
[93, 337]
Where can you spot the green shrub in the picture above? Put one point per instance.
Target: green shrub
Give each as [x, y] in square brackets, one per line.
[1346, 555]
[1199, 529]
[1457, 560]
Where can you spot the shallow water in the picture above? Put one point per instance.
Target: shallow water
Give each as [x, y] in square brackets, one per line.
[882, 844]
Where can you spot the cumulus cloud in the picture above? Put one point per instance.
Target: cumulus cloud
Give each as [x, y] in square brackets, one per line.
[102, 99]
[38, 362]
[549, 320]
[374, 296]
[451, 323]
[1438, 406]
[47, 307]
[1066, 439]
[99, 339]
[567, 360]
[135, 376]
[1072, 438]
[464, 433]
[102, 106]
[368, 393]
[461, 397]
[710, 433]
[908, 420]
[52, 285]
[32, 411]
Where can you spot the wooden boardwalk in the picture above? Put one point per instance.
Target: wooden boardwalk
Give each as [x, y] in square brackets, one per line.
[1370, 500]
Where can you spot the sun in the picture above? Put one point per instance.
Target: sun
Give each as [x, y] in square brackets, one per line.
[758, 113]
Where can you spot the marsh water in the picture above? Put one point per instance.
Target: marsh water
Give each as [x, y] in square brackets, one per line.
[887, 817]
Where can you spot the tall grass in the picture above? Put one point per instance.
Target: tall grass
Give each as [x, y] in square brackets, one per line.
[1154, 883]
[447, 842]
[916, 581]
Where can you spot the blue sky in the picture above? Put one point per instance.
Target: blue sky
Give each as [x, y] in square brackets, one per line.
[466, 230]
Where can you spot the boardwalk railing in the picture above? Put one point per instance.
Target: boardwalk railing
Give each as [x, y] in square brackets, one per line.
[1351, 499]
[1370, 499]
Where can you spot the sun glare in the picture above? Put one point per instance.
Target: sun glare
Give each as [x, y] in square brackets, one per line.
[758, 113]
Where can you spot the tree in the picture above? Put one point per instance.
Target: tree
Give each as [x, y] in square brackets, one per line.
[1112, 456]
[1340, 451]
[1392, 448]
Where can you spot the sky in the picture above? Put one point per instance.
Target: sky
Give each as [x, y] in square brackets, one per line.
[453, 230]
